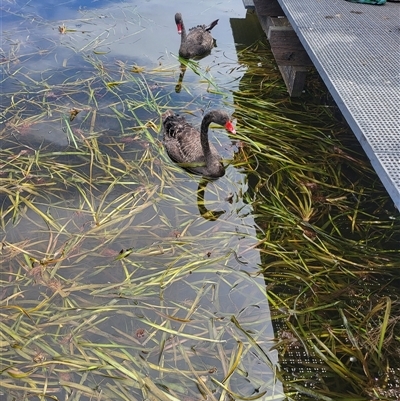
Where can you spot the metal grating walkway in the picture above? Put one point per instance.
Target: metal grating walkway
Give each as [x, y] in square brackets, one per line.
[356, 50]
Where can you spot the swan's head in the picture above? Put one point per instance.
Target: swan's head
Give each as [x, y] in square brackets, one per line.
[224, 119]
[178, 22]
[220, 117]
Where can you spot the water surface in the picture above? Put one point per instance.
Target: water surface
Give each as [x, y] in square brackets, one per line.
[122, 274]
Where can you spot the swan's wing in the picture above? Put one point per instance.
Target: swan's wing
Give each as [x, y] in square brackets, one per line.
[205, 27]
[181, 140]
[174, 124]
[199, 42]
[190, 148]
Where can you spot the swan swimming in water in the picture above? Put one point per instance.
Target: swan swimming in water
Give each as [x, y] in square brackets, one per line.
[186, 145]
[198, 42]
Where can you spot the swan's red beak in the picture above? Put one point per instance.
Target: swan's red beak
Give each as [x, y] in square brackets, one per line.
[179, 27]
[229, 126]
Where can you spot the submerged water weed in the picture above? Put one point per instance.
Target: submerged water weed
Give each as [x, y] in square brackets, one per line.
[328, 235]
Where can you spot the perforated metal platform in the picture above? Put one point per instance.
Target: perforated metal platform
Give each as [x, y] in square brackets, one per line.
[356, 49]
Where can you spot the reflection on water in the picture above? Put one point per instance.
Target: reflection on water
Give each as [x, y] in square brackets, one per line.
[126, 252]
[204, 212]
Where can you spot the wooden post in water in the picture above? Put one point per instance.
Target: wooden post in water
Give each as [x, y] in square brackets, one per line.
[292, 59]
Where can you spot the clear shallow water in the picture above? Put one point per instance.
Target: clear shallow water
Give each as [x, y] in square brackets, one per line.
[117, 36]
[166, 224]
[122, 265]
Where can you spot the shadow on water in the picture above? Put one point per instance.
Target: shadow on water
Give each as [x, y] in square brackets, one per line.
[330, 272]
[124, 278]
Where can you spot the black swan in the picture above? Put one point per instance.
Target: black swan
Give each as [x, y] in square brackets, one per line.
[198, 42]
[191, 148]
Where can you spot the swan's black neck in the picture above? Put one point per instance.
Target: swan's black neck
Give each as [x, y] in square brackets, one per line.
[207, 120]
[183, 32]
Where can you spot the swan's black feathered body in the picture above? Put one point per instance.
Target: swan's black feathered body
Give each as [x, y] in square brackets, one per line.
[191, 148]
[198, 42]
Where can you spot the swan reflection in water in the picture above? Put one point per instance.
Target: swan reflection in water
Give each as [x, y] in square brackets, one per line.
[204, 212]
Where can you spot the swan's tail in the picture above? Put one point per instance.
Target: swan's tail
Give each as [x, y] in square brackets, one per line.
[167, 114]
[211, 26]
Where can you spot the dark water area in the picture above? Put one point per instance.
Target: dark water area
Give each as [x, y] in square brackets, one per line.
[124, 276]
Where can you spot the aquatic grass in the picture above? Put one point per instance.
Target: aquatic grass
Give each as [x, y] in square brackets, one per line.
[324, 262]
[123, 277]
[47, 267]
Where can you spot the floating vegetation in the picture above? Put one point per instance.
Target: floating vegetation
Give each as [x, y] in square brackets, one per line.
[125, 278]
